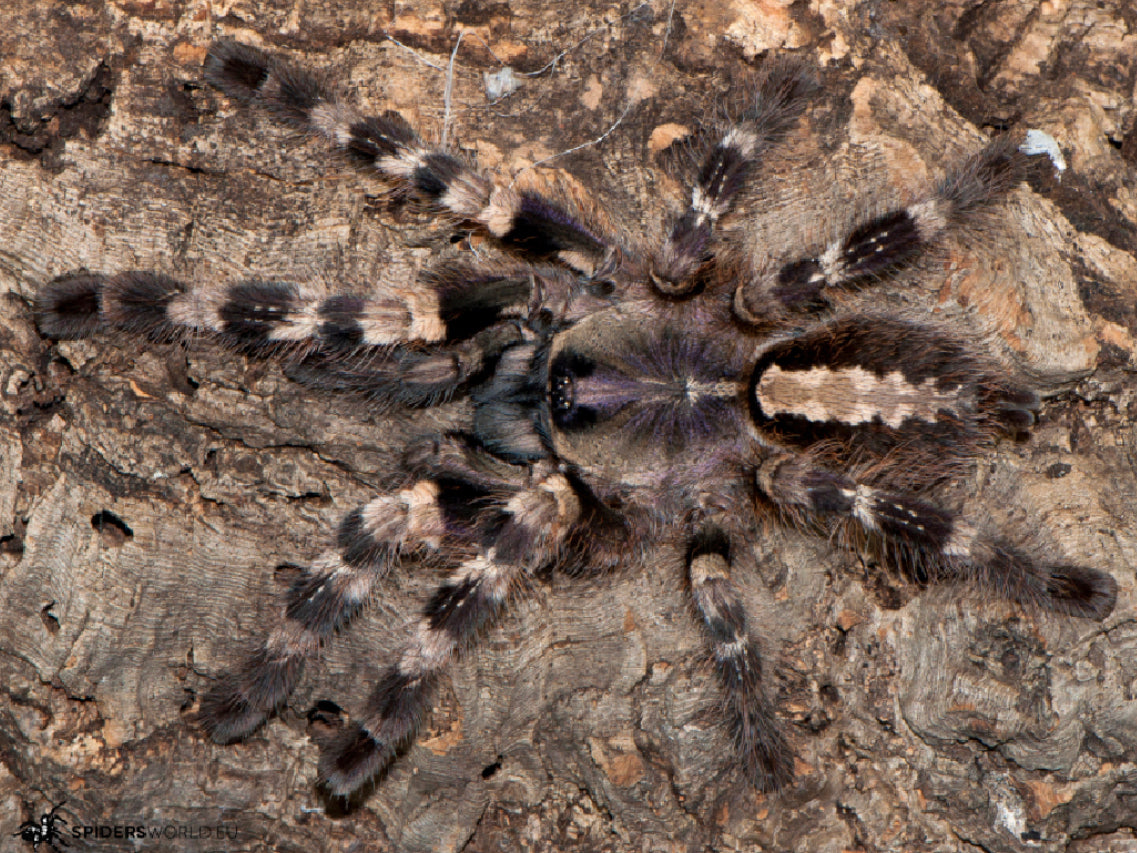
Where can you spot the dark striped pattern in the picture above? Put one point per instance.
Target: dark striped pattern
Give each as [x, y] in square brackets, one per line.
[321, 602]
[250, 316]
[546, 230]
[519, 538]
[778, 102]
[916, 534]
[880, 244]
[931, 544]
[398, 704]
[524, 221]
[376, 137]
[255, 311]
[136, 303]
[470, 300]
[886, 243]
[340, 326]
[762, 749]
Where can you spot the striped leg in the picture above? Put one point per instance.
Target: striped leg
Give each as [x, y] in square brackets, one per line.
[905, 526]
[248, 316]
[779, 100]
[369, 541]
[524, 221]
[528, 534]
[765, 756]
[445, 305]
[885, 244]
[1013, 574]
[386, 347]
[932, 544]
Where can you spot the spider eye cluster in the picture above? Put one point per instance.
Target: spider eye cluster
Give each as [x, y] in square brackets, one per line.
[568, 370]
[561, 395]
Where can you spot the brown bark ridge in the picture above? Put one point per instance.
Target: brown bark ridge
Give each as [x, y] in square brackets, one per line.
[154, 501]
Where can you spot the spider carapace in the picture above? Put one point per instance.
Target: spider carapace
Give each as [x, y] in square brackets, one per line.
[620, 391]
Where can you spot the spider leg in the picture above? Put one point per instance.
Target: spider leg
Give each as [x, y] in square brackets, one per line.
[527, 534]
[260, 316]
[766, 757]
[1012, 573]
[410, 346]
[444, 305]
[930, 543]
[337, 585]
[885, 244]
[402, 376]
[779, 100]
[521, 220]
[483, 311]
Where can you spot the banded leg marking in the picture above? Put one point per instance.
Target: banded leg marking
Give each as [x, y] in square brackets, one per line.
[917, 533]
[932, 544]
[343, 343]
[523, 220]
[249, 315]
[527, 535]
[779, 101]
[765, 755]
[470, 306]
[882, 245]
[255, 314]
[323, 600]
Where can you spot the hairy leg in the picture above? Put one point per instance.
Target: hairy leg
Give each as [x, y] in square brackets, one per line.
[930, 543]
[448, 303]
[411, 346]
[762, 749]
[527, 533]
[521, 220]
[778, 101]
[331, 591]
[880, 246]
[249, 315]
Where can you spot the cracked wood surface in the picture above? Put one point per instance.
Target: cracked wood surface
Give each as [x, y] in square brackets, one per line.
[155, 501]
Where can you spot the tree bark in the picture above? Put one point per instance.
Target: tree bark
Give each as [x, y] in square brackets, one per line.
[155, 500]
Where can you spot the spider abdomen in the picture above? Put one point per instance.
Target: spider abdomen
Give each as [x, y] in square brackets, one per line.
[878, 384]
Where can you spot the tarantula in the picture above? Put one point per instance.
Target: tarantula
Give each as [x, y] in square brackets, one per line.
[619, 394]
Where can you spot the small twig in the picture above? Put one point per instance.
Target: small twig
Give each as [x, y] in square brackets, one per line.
[448, 91]
[414, 53]
[552, 63]
[587, 144]
[667, 31]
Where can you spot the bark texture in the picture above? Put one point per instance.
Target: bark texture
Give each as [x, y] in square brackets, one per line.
[154, 502]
